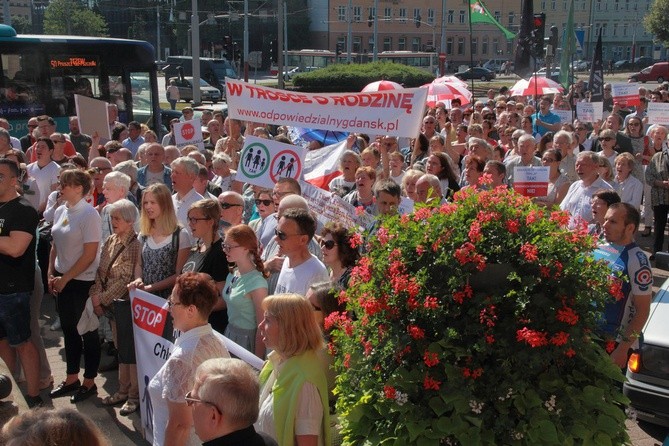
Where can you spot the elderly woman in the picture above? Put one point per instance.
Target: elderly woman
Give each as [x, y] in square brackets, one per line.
[264, 205]
[628, 187]
[558, 184]
[115, 186]
[118, 258]
[363, 195]
[192, 300]
[474, 166]
[225, 176]
[338, 255]
[349, 163]
[657, 176]
[73, 264]
[607, 140]
[246, 287]
[409, 181]
[294, 394]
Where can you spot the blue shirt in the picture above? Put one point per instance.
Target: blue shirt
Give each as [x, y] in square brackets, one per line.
[550, 118]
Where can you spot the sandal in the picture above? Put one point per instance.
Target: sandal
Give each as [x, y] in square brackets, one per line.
[129, 407]
[115, 399]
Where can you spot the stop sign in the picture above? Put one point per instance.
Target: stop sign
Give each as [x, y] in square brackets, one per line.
[187, 131]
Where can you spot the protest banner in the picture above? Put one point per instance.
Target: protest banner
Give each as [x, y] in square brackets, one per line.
[263, 161]
[328, 207]
[589, 111]
[322, 166]
[565, 115]
[531, 181]
[658, 113]
[188, 133]
[625, 95]
[393, 112]
[154, 335]
[92, 114]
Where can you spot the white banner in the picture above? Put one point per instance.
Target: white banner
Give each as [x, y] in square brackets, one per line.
[328, 207]
[393, 112]
[263, 161]
[589, 111]
[565, 115]
[154, 337]
[189, 133]
[625, 94]
[658, 113]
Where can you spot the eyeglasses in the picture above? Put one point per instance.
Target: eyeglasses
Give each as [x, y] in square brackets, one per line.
[101, 169]
[227, 206]
[113, 149]
[606, 138]
[190, 401]
[607, 89]
[633, 124]
[263, 202]
[194, 220]
[171, 303]
[281, 194]
[31, 126]
[229, 247]
[282, 235]
[580, 129]
[328, 244]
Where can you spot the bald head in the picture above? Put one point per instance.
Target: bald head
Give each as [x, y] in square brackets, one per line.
[292, 202]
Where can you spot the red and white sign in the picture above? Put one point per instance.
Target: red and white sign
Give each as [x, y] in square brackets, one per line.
[263, 161]
[390, 112]
[625, 95]
[188, 133]
[531, 181]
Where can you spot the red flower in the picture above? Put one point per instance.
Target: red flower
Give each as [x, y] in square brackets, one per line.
[473, 374]
[382, 236]
[422, 214]
[431, 303]
[362, 271]
[560, 217]
[512, 226]
[389, 392]
[347, 360]
[431, 383]
[559, 338]
[355, 240]
[368, 347]
[530, 252]
[448, 208]
[616, 288]
[475, 231]
[431, 359]
[544, 271]
[610, 346]
[533, 216]
[485, 178]
[490, 339]
[570, 353]
[459, 296]
[420, 250]
[567, 315]
[416, 332]
[533, 337]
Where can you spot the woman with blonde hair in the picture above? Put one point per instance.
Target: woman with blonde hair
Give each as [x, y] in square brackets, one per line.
[294, 393]
[409, 181]
[165, 245]
[207, 255]
[246, 287]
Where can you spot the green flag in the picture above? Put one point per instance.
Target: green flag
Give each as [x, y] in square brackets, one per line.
[568, 48]
[478, 13]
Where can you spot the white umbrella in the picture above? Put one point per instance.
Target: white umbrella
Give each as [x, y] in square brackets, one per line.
[446, 92]
[536, 85]
[381, 86]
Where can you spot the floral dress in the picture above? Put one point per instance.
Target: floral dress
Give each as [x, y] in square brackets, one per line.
[159, 260]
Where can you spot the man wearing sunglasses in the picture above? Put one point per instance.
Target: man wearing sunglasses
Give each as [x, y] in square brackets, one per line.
[301, 268]
[623, 143]
[283, 188]
[232, 208]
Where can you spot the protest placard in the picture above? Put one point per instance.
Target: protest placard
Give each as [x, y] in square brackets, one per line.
[589, 111]
[393, 112]
[188, 133]
[92, 114]
[658, 113]
[531, 181]
[625, 95]
[263, 161]
[565, 115]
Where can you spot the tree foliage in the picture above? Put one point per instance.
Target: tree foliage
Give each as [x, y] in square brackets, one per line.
[69, 17]
[657, 21]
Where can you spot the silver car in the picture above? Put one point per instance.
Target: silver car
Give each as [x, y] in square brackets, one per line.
[207, 92]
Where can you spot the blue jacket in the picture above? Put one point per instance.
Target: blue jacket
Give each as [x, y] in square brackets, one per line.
[167, 178]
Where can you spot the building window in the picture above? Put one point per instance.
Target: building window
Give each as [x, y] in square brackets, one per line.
[604, 29]
[387, 13]
[624, 29]
[341, 42]
[615, 30]
[449, 45]
[357, 44]
[370, 44]
[387, 44]
[475, 45]
[543, 5]
[402, 13]
[341, 13]
[484, 46]
[495, 46]
[616, 5]
[509, 47]
[553, 5]
[372, 13]
[461, 45]
[357, 14]
[430, 16]
[416, 14]
[599, 5]
[450, 16]
[402, 43]
[512, 16]
[498, 15]
[415, 44]
[462, 16]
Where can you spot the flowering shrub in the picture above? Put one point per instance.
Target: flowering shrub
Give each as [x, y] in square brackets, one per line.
[473, 323]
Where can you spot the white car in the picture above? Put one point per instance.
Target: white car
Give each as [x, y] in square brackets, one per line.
[288, 75]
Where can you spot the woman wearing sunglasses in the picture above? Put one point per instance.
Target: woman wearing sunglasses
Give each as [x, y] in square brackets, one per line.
[265, 207]
[338, 255]
[207, 255]
[245, 289]
[607, 141]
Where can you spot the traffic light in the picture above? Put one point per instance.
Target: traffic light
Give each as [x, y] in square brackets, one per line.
[538, 31]
[338, 50]
[370, 21]
[553, 39]
[417, 21]
[227, 45]
[272, 50]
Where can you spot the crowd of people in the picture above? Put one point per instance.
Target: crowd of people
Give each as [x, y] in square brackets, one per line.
[87, 220]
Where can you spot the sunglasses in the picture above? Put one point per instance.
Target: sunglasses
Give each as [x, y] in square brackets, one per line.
[263, 202]
[328, 244]
[607, 138]
[633, 124]
[580, 129]
[282, 235]
[226, 206]
[190, 400]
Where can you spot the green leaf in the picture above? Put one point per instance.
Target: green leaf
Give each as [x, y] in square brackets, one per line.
[547, 432]
[607, 424]
[438, 405]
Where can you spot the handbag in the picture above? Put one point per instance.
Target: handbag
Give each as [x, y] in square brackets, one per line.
[124, 331]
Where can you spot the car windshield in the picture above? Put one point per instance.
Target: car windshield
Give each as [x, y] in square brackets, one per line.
[204, 83]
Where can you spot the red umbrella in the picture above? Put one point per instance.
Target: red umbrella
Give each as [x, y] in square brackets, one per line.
[449, 80]
[536, 85]
[438, 92]
[381, 86]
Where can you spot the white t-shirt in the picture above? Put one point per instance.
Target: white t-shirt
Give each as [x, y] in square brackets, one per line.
[299, 279]
[72, 228]
[182, 206]
[45, 177]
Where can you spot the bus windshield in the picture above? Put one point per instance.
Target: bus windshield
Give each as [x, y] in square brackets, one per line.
[41, 75]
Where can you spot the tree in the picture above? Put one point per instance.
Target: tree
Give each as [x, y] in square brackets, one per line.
[657, 21]
[71, 18]
[21, 25]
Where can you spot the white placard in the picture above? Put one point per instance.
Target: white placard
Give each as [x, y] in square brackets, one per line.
[658, 113]
[188, 133]
[589, 111]
[531, 181]
[565, 115]
[625, 95]
[93, 117]
[328, 207]
[263, 161]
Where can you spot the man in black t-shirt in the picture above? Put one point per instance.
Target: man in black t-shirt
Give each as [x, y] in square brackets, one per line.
[18, 226]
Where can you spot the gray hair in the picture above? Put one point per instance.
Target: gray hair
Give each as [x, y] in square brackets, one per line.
[191, 166]
[129, 168]
[221, 158]
[119, 180]
[564, 134]
[527, 137]
[125, 209]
